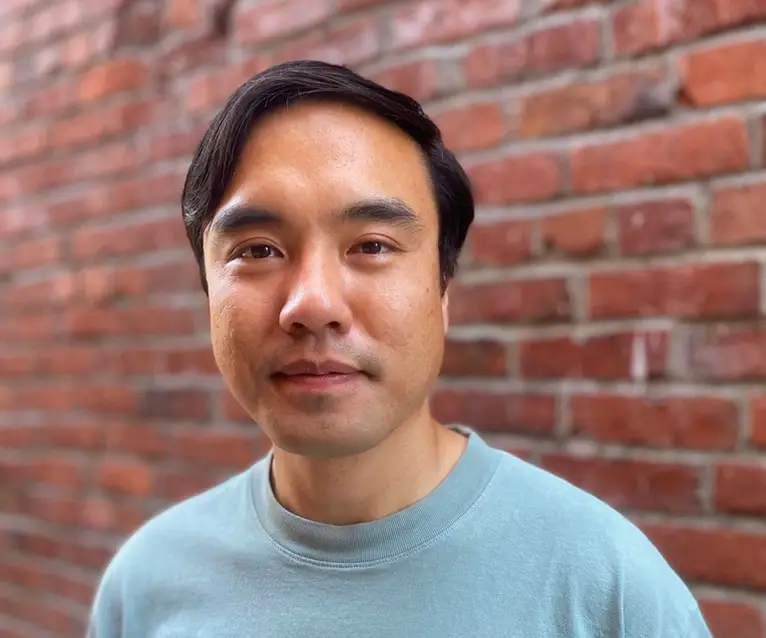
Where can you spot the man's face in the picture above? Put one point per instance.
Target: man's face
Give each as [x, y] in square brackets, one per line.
[322, 262]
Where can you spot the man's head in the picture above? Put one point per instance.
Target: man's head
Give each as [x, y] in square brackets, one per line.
[327, 219]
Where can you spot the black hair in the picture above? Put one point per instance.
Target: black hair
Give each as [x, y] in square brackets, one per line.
[216, 156]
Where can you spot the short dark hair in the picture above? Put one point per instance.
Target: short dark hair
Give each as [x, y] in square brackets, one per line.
[218, 152]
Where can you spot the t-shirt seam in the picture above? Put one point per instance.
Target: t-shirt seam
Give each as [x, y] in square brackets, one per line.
[304, 560]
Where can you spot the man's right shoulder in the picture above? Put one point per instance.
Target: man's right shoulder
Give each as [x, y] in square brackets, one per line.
[161, 547]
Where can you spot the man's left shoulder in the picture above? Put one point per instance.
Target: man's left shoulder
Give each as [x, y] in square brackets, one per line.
[605, 555]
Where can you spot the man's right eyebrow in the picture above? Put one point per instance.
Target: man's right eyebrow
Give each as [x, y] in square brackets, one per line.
[242, 216]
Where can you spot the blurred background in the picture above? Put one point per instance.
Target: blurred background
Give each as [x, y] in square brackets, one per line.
[608, 320]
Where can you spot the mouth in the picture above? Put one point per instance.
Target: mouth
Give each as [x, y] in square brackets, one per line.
[323, 376]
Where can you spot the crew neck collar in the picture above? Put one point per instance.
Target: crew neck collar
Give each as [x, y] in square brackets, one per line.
[386, 538]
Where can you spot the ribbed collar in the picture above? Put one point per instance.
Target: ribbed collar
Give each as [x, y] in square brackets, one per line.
[386, 538]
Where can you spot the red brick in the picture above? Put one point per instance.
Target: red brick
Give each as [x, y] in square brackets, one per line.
[729, 353]
[105, 398]
[232, 410]
[688, 151]
[125, 477]
[531, 300]
[724, 73]
[631, 484]
[179, 485]
[558, 5]
[58, 510]
[736, 215]
[53, 546]
[81, 435]
[729, 618]
[182, 13]
[351, 43]
[144, 440]
[472, 126]
[114, 76]
[740, 488]
[496, 412]
[621, 98]
[517, 178]
[701, 423]
[55, 470]
[655, 226]
[712, 290]
[228, 449]
[417, 78]
[545, 51]
[608, 357]
[91, 322]
[191, 360]
[575, 233]
[499, 243]
[423, 22]
[278, 19]
[28, 574]
[109, 516]
[650, 24]
[757, 410]
[359, 4]
[474, 358]
[713, 555]
[189, 405]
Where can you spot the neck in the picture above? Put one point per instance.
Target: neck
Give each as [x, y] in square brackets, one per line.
[402, 469]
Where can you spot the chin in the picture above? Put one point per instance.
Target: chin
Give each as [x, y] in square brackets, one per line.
[324, 438]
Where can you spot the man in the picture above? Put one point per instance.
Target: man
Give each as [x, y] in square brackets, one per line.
[327, 218]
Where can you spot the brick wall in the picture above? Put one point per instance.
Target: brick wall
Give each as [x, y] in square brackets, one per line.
[608, 319]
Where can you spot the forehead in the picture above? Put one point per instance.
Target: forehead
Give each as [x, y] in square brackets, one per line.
[324, 156]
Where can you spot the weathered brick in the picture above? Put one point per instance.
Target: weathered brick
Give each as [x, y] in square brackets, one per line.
[187, 405]
[352, 43]
[644, 25]
[496, 412]
[606, 357]
[702, 423]
[417, 78]
[125, 477]
[740, 488]
[713, 555]
[622, 98]
[731, 618]
[728, 353]
[472, 126]
[279, 18]
[544, 51]
[696, 291]
[423, 22]
[724, 73]
[631, 484]
[474, 358]
[736, 215]
[531, 300]
[693, 150]
[228, 449]
[655, 226]
[516, 178]
[114, 76]
[757, 411]
[500, 243]
[575, 233]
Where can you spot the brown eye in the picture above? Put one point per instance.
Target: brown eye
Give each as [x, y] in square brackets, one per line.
[260, 251]
[372, 248]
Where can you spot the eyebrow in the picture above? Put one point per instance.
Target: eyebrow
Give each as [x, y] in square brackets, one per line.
[390, 210]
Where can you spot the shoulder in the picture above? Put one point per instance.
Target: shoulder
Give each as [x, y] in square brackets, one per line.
[606, 558]
[162, 545]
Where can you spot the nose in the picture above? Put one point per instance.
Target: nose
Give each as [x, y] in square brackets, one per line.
[316, 302]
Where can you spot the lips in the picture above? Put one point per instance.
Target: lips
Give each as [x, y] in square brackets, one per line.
[317, 368]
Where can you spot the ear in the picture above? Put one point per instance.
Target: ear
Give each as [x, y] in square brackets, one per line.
[445, 309]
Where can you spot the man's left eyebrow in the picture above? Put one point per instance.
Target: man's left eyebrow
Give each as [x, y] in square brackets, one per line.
[387, 210]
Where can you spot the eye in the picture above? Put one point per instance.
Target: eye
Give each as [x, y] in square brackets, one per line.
[259, 251]
[373, 248]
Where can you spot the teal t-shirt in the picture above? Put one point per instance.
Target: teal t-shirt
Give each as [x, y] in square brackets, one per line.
[499, 548]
